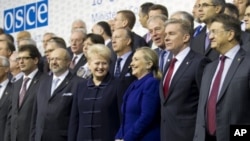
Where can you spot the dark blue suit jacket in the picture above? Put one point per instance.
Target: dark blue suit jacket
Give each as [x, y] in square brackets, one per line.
[141, 111]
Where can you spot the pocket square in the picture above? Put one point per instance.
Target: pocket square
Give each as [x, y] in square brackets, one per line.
[127, 74]
[67, 94]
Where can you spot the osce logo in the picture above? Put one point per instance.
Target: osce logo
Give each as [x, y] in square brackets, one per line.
[26, 17]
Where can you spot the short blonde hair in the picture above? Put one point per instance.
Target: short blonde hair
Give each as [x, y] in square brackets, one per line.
[100, 50]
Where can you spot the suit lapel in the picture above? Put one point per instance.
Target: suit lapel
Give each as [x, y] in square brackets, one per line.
[5, 94]
[180, 71]
[234, 66]
[126, 67]
[64, 83]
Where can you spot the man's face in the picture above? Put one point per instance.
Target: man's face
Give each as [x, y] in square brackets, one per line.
[119, 21]
[175, 38]
[241, 5]
[119, 40]
[153, 13]
[4, 51]
[207, 10]
[27, 64]
[58, 62]
[46, 38]
[218, 36]
[247, 18]
[157, 31]
[76, 42]
[143, 18]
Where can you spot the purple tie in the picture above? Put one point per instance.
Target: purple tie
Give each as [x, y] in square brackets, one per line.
[73, 63]
[211, 103]
[23, 90]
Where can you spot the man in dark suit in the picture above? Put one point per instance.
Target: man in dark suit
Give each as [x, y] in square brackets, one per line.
[224, 94]
[122, 41]
[200, 43]
[5, 94]
[76, 45]
[179, 90]
[24, 93]
[126, 19]
[156, 27]
[54, 100]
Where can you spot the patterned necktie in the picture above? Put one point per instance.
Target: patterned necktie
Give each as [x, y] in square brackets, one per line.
[197, 30]
[23, 90]
[168, 77]
[211, 103]
[118, 67]
[73, 63]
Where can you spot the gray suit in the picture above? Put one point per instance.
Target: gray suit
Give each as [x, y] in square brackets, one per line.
[234, 99]
[178, 110]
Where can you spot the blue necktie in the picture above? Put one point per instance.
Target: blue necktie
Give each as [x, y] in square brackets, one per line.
[197, 30]
[118, 67]
[161, 62]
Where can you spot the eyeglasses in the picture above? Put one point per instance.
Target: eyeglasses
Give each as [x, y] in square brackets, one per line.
[216, 32]
[247, 15]
[205, 5]
[23, 58]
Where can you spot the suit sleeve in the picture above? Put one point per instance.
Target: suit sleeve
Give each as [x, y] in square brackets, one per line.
[74, 117]
[150, 106]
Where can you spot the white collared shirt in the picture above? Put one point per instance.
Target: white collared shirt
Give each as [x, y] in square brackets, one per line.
[79, 56]
[61, 77]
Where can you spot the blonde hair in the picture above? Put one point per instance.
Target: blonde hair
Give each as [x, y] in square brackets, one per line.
[151, 56]
[100, 50]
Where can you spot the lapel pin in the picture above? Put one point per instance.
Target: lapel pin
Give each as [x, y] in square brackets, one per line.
[238, 59]
[187, 63]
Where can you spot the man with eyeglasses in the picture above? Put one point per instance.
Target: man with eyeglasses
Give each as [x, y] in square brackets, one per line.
[207, 10]
[6, 90]
[76, 44]
[224, 94]
[24, 93]
[54, 99]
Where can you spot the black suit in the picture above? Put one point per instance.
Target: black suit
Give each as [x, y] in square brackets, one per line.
[198, 45]
[178, 109]
[5, 105]
[245, 40]
[20, 122]
[138, 41]
[81, 62]
[232, 107]
[125, 79]
[52, 112]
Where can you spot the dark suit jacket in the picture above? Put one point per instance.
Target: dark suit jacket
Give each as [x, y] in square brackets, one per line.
[52, 112]
[150, 42]
[20, 122]
[198, 45]
[233, 102]
[80, 63]
[178, 110]
[125, 79]
[141, 111]
[5, 105]
[138, 41]
[245, 40]
[95, 115]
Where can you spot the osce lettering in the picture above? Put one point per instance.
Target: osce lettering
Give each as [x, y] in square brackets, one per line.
[26, 17]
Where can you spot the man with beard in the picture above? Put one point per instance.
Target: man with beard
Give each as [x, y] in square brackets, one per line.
[54, 100]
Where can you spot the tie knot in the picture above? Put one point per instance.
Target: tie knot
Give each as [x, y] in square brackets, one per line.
[74, 58]
[173, 60]
[119, 60]
[223, 57]
[26, 79]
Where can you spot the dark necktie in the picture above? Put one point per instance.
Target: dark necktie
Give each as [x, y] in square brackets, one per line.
[73, 63]
[118, 67]
[168, 77]
[197, 30]
[161, 63]
[211, 104]
[23, 90]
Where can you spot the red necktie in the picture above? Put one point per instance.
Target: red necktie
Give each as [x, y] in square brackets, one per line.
[211, 103]
[168, 77]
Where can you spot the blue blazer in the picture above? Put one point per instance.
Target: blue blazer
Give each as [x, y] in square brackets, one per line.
[141, 111]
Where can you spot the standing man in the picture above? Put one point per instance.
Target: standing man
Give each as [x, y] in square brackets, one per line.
[76, 44]
[127, 19]
[179, 90]
[156, 27]
[6, 91]
[54, 99]
[15, 68]
[24, 93]
[224, 94]
[207, 10]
